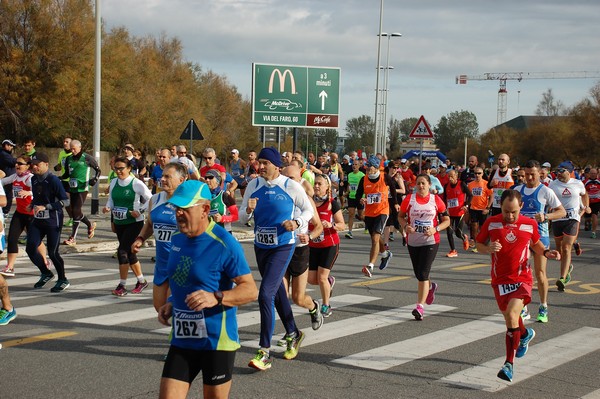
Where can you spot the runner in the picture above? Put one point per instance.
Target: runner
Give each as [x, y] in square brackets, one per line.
[419, 214]
[210, 158]
[193, 173]
[237, 168]
[20, 186]
[407, 175]
[208, 277]
[49, 198]
[507, 237]
[469, 174]
[537, 199]
[481, 202]
[346, 169]
[7, 165]
[571, 193]
[60, 167]
[376, 186]
[324, 248]
[500, 180]
[162, 224]
[592, 186]
[78, 169]
[7, 311]
[392, 222]
[458, 199]
[272, 200]
[354, 204]
[125, 204]
[164, 156]
[223, 209]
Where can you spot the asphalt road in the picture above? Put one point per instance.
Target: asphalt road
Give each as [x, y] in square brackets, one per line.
[85, 343]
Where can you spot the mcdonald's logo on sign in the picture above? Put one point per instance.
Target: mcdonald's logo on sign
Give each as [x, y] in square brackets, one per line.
[282, 76]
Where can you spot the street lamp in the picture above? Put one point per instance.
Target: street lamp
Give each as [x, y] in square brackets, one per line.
[383, 136]
[377, 79]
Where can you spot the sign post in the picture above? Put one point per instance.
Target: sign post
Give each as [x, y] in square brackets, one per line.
[297, 96]
[421, 131]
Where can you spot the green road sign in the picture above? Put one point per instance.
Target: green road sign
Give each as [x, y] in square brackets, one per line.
[299, 96]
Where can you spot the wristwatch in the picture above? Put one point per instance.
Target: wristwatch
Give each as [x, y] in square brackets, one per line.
[219, 297]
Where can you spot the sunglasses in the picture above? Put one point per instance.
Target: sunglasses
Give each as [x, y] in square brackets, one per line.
[21, 163]
[210, 177]
[120, 169]
[561, 170]
[478, 173]
[207, 158]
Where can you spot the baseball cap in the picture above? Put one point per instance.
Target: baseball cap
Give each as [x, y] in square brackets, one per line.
[189, 192]
[568, 165]
[40, 157]
[8, 141]
[214, 173]
[129, 146]
[234, 151]
[546, 165]
[403, 160]
[442, 165]
[346, 157]
[373, 161]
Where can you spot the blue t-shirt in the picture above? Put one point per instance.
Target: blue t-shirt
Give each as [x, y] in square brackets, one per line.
[207, 262]
[164, 225]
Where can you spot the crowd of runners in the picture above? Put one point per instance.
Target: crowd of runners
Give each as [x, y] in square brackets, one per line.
[298, 205]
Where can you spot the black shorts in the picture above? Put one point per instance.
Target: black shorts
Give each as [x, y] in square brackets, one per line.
[299, 262]
[376, 224]
[185, 364]
[354, 203]
[323, 257]
[565, 228]
[595, 207]
[477, 216]
[393, 218]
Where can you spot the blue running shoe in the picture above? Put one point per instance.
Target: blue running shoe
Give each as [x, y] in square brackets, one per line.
[7, 316]
[506, 372]
[385, 261]
[524, 344]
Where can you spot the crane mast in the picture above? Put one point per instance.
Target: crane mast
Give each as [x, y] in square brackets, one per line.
[518, 76]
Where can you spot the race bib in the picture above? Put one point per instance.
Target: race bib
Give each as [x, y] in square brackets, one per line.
[353, 187]
[45, 214]
[73, 183]
[189, 324]
[163, 232]
[16, 191]
[320, 238]
[266, 235]
[571, 214]
[497, 197]
[453, 203]
[508, 288]
[422, 226]
[477, 191]
[120, 213]
[373, 198]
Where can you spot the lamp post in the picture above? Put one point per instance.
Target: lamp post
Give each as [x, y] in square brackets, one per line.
[383, 135]
[377, 79]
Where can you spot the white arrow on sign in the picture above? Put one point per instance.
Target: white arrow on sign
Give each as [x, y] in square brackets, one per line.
[323, 96]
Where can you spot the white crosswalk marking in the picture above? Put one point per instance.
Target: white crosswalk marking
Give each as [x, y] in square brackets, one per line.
[357, 325]
[398, 353]
[246, 319]
[592, 395]
[113, 319]
[75, 304]
[540, 357]
[70, 275]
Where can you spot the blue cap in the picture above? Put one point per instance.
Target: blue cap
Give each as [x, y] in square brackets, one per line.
[568, 165]
[373, 161]
[272, 155]
[190, 192]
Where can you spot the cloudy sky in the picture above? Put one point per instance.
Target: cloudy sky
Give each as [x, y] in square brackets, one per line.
[440, 39]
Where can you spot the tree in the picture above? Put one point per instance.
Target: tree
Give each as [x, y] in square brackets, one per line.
[394, 137]
[360, 134]
[549, 106]
[453, 128]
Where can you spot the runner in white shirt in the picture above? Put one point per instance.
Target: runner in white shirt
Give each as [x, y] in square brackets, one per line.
[571, 193]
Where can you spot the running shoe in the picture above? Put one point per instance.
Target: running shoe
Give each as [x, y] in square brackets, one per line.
[366, 231]
[593, 235]
[524, 343]
[44, 278]
[386, 260]
[293, 346]
[349, 235]
[560, 284]
[577, 247]
[568, 278]
[431, 294]
[367, 271]
[391, 236]
[474, 250]
[91, 230]
[466, 243]
[61, 285]
[525, 313]
[71, 242]
[283, 340]
[248, 224]
[418, 312]
[326, 310]
[542, 316]
[115, 255]
[120, 290]
[69, 223]
[452, 254]
[8, 272]
[506, 372]
[262, 361]
[316, 317]
[139, 287]
[23, 241]
[6, 316]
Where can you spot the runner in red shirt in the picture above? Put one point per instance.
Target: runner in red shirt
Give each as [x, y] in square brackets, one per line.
[508, 237]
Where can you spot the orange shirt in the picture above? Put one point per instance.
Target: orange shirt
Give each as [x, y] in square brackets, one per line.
[481, 194]
[377, 196]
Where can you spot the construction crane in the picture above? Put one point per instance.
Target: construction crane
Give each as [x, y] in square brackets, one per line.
[504, 76]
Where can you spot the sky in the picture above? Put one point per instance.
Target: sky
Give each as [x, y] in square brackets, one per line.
[440, 40]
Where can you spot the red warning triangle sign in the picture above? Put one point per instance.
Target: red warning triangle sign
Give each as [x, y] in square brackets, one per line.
[566, 192]
[421, 130]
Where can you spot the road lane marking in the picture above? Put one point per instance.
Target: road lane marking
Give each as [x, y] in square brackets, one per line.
[540, 358]
[470, 267]
[71, 276]
[379, 281]
[388, 356]
[38, 338]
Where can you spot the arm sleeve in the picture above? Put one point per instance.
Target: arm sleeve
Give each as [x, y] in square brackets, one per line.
[9, 179]
[250, 190]
[468, 194]
[360, 191]
[91, 161]
[296, 191]
[392, 187]
[232, 208]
